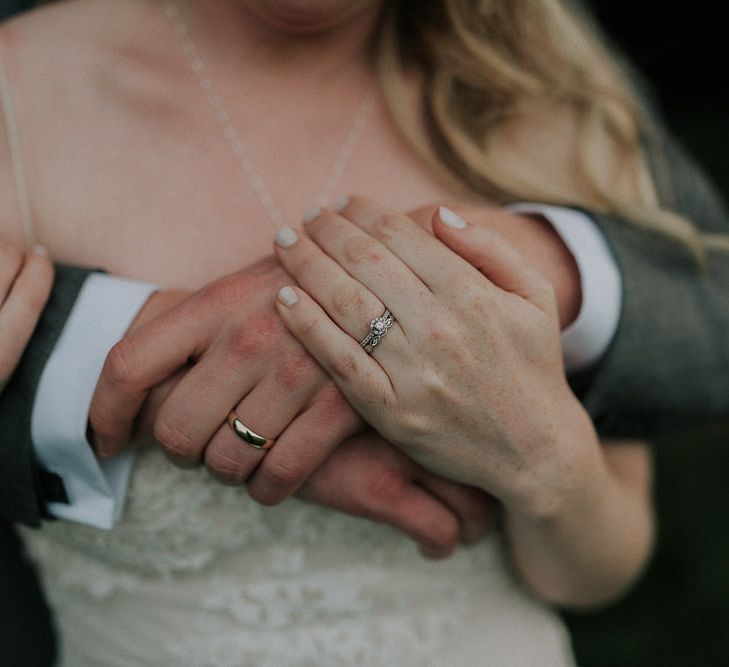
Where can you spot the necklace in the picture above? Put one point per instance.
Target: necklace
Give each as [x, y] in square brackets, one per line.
[233, 138]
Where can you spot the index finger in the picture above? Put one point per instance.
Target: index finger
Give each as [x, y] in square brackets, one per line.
[137, 363]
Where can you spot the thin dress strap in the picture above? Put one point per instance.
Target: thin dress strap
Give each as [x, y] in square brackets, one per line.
[16, 158]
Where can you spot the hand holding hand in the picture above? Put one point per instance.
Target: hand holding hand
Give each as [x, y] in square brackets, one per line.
[233, 344]
[469, 379]
[367, 477]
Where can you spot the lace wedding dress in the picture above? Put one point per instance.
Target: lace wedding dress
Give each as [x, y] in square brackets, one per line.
[197, 573]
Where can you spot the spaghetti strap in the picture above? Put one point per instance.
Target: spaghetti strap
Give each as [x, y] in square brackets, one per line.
[16, 157]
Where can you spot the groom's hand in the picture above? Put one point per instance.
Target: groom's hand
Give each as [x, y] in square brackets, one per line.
[368, 477]
[238, 357]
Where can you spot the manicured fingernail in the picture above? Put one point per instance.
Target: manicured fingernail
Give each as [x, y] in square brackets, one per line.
[286, 237]
[341, 204]
[41, 250]
[451, 219]
[287, 296]
[312, 214]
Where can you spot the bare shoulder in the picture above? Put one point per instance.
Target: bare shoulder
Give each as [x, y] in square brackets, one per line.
[73, 69]
[74, 24]
[56, 43]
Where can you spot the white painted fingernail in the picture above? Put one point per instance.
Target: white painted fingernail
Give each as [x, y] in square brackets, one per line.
[451, 219]
[312, 214]
[287, 296]
[41, 250]
[341, 204]
[286, 237]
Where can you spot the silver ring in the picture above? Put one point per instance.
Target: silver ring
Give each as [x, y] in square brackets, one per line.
[378, 328]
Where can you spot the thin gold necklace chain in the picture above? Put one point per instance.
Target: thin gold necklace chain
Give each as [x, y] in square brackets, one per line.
[223, 118]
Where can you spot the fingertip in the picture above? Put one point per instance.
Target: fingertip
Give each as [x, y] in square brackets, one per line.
[102, 448]
[38, 257]
[341, 203]
[449, 227]
[432, 552]
[287, 296]
[450, 219]
[286, 237]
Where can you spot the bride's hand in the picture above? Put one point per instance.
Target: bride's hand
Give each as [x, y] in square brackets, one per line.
[469, 379]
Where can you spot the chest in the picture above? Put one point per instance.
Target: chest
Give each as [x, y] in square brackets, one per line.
[153, 190]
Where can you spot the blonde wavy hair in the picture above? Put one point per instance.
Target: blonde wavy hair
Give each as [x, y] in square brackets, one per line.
[536, 71]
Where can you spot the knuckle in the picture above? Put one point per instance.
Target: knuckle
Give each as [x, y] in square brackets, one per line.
[307, 263]
[250, 340]
[279, 479]
[121, 363]
[224, 293]
[344, 366]
[242, 346]
[297, 370]
[473, 297]
[174, 441]
[388, 488]
[348, 301]
[225, 468]
[388, 225]
[310, 328]
[441, 330]
[412, 427]
[362, 249]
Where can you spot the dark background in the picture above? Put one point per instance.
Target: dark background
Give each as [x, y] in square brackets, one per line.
[678, 615]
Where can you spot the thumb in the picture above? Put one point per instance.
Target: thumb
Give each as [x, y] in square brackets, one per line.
[491, 253]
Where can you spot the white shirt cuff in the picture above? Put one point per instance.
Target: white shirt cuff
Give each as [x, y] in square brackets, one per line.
[587, 339]
[96, 489]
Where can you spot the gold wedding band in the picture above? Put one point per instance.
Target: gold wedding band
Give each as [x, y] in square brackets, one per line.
[247, 435]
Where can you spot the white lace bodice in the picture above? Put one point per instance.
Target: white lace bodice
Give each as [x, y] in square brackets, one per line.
[196, 573]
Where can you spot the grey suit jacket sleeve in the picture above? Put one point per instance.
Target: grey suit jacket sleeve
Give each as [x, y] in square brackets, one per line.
[22, 483]
[668, 365]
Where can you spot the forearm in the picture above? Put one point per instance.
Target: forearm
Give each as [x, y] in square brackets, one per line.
[585, 546]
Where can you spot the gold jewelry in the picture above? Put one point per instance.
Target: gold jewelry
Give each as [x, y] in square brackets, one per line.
[233, 138]
[247, 435]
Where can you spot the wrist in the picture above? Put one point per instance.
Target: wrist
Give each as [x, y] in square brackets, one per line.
[571, 473]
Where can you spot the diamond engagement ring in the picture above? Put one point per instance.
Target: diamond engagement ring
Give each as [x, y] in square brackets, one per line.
[378, 328]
